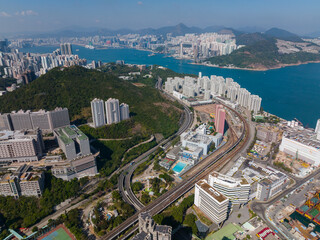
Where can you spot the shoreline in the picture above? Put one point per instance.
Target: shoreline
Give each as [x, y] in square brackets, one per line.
[258, 69]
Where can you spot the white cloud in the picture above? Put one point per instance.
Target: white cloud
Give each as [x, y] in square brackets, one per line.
[27, 13]
[4, 14]
[140, 3]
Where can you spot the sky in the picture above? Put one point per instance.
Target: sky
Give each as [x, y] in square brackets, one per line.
[298, 16]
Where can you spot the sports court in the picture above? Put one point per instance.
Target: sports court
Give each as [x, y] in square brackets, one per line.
[59, 233]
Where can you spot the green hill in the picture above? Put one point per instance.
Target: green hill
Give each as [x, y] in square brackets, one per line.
[261, 54]
[75, 87]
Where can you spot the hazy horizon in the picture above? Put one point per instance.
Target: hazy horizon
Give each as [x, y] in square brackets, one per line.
[18, 16]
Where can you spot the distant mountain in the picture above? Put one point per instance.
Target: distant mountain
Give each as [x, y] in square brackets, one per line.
[251, 29]
[177, 30]
[283, 35]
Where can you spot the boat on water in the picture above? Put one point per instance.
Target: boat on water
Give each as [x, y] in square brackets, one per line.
[89, 46]
[151, 54]
[77, 50]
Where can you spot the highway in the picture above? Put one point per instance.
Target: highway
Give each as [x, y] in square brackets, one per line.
[165, 200]
[124, 182]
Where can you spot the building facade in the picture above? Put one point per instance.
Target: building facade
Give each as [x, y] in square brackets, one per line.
[211, 202]
[22, 182]
[112, 111]
[124, 111]
[76, 168]
[98, 114]
[220, 119]
[237, 190]
[45, 120]
[73, 142]
[269, 187]
[21, 146]
[302, 145]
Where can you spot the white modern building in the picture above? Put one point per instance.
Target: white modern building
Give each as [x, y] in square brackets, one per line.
[124, 111]
[303, 145]
[98, 114]
[237, 190]
[317, 130]
[215, 86]
[112, 110]
[272, 185]
[211, 202]
[193, 140]
[255, 103]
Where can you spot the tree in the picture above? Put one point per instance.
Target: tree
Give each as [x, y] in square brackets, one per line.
[158, 218]
[137, 186]
[35, 229]
[190, 220]
[116, 196]
[145, 198]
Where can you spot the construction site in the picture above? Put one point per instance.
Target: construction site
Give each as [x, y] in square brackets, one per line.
[311, 208]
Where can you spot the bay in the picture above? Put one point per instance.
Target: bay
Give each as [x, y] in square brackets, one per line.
[290, 92]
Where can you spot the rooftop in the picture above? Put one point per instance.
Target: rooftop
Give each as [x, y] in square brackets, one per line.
[225, 232]
[211, 191]
[67, 133]
[227, 180]
[305, 136]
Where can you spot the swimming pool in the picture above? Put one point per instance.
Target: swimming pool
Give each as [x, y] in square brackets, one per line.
[179, 167]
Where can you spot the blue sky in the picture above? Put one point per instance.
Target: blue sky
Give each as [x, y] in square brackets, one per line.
[43, 15]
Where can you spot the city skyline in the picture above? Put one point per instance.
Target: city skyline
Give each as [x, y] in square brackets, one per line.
[36, 16]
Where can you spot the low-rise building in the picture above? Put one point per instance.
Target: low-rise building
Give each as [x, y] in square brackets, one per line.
[266, 135]
[211, 202]
[193, 140]
[76, 168]
[302, 144]
[272, 185]
[22, 182]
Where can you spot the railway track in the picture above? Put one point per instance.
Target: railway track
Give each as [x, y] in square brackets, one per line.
[172, 195]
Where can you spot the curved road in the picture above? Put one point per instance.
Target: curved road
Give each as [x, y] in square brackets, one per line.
[172, 195]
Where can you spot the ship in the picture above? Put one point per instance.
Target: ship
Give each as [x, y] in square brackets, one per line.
[89, 46]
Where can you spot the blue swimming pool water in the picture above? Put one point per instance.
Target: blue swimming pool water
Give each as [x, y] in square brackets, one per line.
[179, 167]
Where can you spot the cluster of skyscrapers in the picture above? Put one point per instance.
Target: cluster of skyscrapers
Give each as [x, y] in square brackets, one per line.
[25, 67]
[108, 112]
[215, 86]
[216, 196]
[66, 49]
[201, 46]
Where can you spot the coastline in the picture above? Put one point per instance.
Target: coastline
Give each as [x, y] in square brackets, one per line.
[257, 69]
